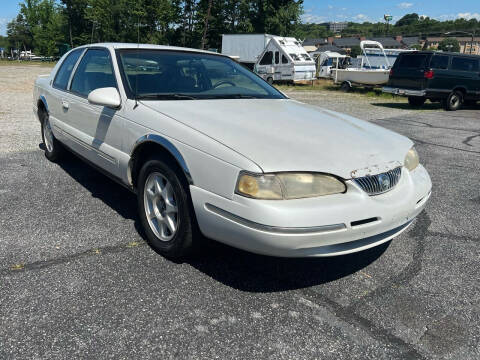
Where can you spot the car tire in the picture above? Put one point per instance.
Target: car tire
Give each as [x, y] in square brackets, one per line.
[454, 101]
[53, 148]
[345, 86]
[165, 209]
[270, 80]
[416, 101]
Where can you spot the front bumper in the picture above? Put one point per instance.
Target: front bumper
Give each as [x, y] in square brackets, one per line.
[323, 226]
[406, 92]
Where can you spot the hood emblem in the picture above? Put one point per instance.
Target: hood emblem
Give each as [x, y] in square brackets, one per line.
[384, 181]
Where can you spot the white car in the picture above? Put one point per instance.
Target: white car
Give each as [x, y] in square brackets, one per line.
[209, 146]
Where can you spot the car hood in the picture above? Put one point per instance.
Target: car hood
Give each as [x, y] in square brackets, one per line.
[286, 135]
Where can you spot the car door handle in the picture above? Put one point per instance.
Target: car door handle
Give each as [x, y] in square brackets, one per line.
[65, 104]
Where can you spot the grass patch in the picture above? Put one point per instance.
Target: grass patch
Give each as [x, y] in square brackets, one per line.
[27, 63]
[327, 85]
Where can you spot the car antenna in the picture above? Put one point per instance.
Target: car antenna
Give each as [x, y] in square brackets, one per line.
[136, 67]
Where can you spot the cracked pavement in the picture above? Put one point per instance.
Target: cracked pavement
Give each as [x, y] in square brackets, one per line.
[78, 281]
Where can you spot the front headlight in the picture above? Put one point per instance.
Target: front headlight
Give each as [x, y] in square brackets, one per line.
[411, 159]
[288, 185]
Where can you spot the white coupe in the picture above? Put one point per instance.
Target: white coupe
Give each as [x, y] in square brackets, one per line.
[210, 147]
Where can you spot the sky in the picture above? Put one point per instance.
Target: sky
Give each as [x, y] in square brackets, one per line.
[342, 10]
[316, 11]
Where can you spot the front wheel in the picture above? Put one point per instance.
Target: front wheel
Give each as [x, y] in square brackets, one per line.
[165, 210]
[454, 101]
[53, 148]
[416, 101]
[270, 80]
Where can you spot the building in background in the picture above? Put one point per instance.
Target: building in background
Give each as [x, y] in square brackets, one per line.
[336, 27]
[465, 42]
[347, 43]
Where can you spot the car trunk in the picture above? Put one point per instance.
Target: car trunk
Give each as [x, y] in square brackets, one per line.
[408, 71]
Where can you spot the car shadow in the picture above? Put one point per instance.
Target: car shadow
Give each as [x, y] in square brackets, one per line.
[232, 267]
[426, 106]
[100, 186]
[262, 274]
[406, 106]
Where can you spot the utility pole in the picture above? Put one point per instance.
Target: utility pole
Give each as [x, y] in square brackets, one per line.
[206, 23]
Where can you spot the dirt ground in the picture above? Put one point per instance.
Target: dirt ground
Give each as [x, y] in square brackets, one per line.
[19, 129]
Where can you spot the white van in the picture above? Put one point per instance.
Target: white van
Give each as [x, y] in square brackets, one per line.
[285, 59]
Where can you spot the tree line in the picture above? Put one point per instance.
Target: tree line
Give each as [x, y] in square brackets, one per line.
[42, 25]
[413, 25]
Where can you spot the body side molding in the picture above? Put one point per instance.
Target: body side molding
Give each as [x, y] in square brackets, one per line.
[167, 145]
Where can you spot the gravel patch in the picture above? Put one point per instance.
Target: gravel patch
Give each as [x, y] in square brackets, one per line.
[20, 129]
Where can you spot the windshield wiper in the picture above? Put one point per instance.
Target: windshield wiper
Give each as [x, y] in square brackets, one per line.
[166, 97]
[235, 96]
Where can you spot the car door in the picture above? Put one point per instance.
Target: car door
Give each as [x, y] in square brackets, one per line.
[442, 79]
[58, 92]
[95, 130]
[466, 73]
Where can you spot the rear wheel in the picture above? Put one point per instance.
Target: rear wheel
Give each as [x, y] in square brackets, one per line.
[165, 209]
[270, 80]
[53, 148]
[454, 101]
[416, 101]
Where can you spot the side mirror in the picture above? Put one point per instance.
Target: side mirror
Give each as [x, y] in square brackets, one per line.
[107, 96]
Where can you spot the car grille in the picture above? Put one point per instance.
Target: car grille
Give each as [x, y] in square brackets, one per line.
[380, 183]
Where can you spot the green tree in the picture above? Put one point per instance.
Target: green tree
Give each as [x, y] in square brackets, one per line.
[449, 44]
[408, 19]
[18, 33]
[355, 51]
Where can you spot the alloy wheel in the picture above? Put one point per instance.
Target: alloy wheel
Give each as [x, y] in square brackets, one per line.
[47, 135]
[160, 206]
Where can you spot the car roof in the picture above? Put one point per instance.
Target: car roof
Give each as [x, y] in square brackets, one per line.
[117, 46]
[429, 52]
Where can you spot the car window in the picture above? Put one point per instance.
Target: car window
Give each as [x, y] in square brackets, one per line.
[412, 61]
[439, 62]
[464, 64]
[165, 74]
[284, 59]
[267, 58]
[65, 70]
[277, 57]
[94, 71]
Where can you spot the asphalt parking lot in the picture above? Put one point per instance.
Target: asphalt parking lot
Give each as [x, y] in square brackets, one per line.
[78, 281]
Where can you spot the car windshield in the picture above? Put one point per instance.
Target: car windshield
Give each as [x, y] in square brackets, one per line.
[177, 75]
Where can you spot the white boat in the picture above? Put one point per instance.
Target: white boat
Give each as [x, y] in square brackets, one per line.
[366, 74]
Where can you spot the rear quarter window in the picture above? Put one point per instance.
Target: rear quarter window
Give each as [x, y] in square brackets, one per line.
[439, 62]
[65, 70]
[464, 64]
[413, 61]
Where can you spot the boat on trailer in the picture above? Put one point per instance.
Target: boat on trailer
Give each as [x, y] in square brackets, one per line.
[365, 74]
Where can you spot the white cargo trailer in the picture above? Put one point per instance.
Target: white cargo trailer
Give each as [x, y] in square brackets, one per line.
[274, 58]
[247, 47]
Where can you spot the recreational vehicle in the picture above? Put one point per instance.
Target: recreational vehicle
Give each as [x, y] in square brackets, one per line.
[285, 59]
